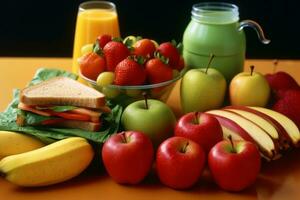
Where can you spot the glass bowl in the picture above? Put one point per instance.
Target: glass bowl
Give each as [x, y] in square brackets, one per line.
[125, 95]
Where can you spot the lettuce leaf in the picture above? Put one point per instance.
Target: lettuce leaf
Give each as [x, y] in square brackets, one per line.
[44, 74]
[111, 121]
[58, 108]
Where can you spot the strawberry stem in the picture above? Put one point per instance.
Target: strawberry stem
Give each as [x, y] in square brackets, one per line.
[251, 69]
[146, 100]
[232, 144]
[209, 62]
[117, 39]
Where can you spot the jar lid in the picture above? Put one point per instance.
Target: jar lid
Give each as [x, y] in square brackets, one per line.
[215, 12]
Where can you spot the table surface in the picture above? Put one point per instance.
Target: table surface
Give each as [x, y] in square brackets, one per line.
[278, 180]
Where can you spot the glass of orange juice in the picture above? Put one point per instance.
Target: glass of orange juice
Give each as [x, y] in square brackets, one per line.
[94, 18]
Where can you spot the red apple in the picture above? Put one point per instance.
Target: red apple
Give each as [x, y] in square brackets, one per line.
[202, 128]
[179, 162]
[128, 157]
[234, 165]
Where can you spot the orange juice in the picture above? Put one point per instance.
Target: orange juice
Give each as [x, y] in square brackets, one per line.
[90, 24]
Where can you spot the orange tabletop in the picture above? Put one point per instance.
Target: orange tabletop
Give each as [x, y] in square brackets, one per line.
[278, 179]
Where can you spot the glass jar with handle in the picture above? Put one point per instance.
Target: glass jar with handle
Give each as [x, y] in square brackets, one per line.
[215, 29]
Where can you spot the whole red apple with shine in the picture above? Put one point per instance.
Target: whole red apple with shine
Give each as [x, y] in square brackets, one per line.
[234, 165]
[179, 162]
[128, 157]
[202, 128]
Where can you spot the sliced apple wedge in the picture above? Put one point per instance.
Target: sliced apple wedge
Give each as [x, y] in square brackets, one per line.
[289, 126]
[230, 127]
[261, 122]
[248, 131]
[285, 140]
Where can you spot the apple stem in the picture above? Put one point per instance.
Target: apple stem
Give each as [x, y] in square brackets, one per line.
[209, 62]
[232, 144]
[251, 69]
[146, 100]
[197, 117]
[183, 150]
[275, 64]
[123, 137]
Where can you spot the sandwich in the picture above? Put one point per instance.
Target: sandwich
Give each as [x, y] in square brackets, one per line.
[61, 102]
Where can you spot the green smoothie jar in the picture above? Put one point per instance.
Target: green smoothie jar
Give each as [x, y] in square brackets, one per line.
[215, 29]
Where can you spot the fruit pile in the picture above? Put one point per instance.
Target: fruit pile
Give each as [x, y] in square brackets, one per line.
[132, 61]
[261, 120]
[262, 109]
[182, 151]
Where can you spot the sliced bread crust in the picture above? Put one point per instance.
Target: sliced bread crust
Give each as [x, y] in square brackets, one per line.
[62, 91]
[88, 126]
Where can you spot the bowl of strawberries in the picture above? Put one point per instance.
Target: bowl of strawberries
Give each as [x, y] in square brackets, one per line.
[126, 70]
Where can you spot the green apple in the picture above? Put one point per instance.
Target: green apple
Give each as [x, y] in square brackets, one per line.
[202, 90]
[152, 117]
[249, 89]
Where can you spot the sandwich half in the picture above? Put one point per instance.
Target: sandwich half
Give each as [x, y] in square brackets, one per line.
[61, 102]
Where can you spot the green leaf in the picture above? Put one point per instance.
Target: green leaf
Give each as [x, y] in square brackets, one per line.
[174, 43]
[180, 48]
[58, 108]
[63, 108]
[158, 55]
[97, 49]
[33, 119]
[44, 74]
[117, 39]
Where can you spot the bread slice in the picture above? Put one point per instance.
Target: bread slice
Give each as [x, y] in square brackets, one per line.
[62, 91]
[88, 126]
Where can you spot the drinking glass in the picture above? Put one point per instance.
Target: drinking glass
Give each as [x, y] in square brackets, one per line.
[94, 18]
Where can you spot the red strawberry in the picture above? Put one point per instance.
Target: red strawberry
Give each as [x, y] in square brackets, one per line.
[145, 48]
[103, 40]
[181, 64]
[114, 53]
[130, 72]
[157, 71]
[168, 50]
[289, 105]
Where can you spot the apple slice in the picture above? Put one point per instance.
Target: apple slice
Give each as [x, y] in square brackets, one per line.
[264, 124]
[262, 139]
[229, 127]
[259, 121]
[285, 140]
[289, 126]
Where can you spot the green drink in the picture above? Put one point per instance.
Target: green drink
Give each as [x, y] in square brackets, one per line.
[215, 29]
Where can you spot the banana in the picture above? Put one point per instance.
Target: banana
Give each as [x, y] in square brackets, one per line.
[12, 143]
[48, 165]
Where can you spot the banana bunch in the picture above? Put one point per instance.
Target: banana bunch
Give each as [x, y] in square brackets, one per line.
[48, 165]
[12, 143]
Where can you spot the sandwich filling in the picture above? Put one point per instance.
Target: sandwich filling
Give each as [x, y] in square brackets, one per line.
[52, 115]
